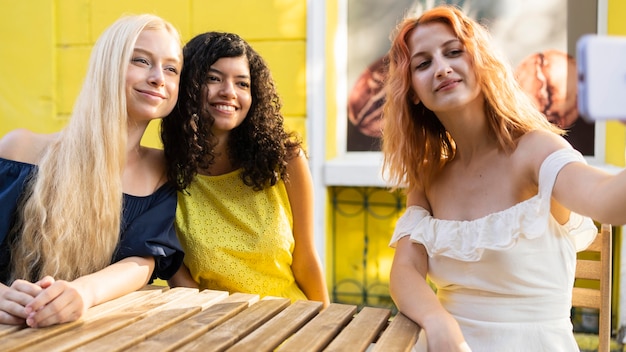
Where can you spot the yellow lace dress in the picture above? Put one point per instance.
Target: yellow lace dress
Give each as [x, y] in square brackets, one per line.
[236, 239]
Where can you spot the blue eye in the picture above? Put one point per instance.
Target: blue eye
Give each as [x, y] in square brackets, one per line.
[422, 65]
[140, 60]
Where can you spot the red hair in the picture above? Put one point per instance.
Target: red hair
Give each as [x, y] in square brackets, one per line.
[415, 145]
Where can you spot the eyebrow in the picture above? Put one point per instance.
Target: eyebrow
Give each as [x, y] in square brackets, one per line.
[150, 53]
[212, 69]
[442, 45]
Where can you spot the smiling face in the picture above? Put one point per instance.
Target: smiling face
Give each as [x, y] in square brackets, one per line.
[228, 95]
[153, 75]
[442, 75]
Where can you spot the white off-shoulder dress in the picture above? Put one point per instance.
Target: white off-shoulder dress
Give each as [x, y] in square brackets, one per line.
[507, 277]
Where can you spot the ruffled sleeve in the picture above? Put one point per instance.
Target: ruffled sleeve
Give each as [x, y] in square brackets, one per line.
[148, 230]
[407, 223]
[530, 219]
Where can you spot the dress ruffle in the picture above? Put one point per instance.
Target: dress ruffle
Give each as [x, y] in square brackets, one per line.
[468, 240]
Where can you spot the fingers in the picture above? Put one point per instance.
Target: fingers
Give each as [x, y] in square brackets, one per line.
[14, 299]
[45, 282]
[26, 288]
[59, 303]
[12, 305]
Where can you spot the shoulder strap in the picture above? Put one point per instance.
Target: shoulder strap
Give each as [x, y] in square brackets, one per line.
[551, 167]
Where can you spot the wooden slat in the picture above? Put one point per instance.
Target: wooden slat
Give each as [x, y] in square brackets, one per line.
[361, 332]
[274, 332]
[588, 269]
[604, 341]
[190, 329]
[8, 329]
[95, 328]
[239, 326]
[399, 336]
[249, 298]
[318, 333]
[163, 317]
[20, 340]
[599, 270]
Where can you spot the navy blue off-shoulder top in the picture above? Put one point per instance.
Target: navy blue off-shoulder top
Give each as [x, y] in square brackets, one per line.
[147, 227]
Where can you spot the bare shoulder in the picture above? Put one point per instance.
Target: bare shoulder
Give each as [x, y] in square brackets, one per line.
[297, 161]
[24, 145]
[298, 172]
[535, 146]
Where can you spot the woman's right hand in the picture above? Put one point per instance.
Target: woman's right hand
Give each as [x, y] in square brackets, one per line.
[445, 335]
[14, 299]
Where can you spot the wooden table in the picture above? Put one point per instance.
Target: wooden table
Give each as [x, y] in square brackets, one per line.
[184, 319]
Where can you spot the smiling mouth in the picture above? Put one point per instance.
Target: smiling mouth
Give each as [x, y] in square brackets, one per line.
[446, 84]
[224, 107]
[152, 94]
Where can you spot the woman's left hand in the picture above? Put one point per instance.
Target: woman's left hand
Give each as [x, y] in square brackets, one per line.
[60, 302]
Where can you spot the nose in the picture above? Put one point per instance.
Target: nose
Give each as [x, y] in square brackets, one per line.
[157, 77]
[443, 67]
[227, 89]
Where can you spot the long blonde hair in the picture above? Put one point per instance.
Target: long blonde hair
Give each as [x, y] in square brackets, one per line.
[70, 217]
[416, 146]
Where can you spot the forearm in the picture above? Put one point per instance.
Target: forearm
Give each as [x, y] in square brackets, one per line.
[414, 297]
[311, 281]
[118, 279]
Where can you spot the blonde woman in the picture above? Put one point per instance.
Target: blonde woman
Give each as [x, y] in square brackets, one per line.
[86, 213]
[498, 201]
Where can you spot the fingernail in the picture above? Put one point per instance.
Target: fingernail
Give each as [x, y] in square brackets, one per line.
[28, 310]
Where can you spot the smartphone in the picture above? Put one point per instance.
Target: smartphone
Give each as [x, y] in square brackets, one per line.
[601, 66]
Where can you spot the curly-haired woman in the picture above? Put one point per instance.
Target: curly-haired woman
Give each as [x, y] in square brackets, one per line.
[245, 216]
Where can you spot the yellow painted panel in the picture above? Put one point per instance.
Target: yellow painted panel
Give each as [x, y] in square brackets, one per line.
[152, 138]
[73, 22]
[252, 19]
[105, 12]
[615, 131]
[615, 19]
[297, 124]
[71, 71]
[332, 15]
[287, 62]
[28, 63]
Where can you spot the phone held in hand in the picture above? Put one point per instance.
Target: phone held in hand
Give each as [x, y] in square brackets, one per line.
[601, 66]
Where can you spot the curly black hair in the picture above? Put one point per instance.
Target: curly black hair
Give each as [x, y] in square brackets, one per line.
[260, 145]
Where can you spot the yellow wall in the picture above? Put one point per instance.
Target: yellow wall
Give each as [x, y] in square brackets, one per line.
[46, 45]
[616, 133]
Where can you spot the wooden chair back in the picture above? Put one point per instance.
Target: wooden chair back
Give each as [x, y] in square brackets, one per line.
[597, 271]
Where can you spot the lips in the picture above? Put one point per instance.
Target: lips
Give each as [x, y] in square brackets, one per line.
[151, 93]
[447, 83]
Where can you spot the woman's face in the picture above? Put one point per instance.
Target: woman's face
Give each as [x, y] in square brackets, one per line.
[228, 94]
[153, 75]
[442, 73]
